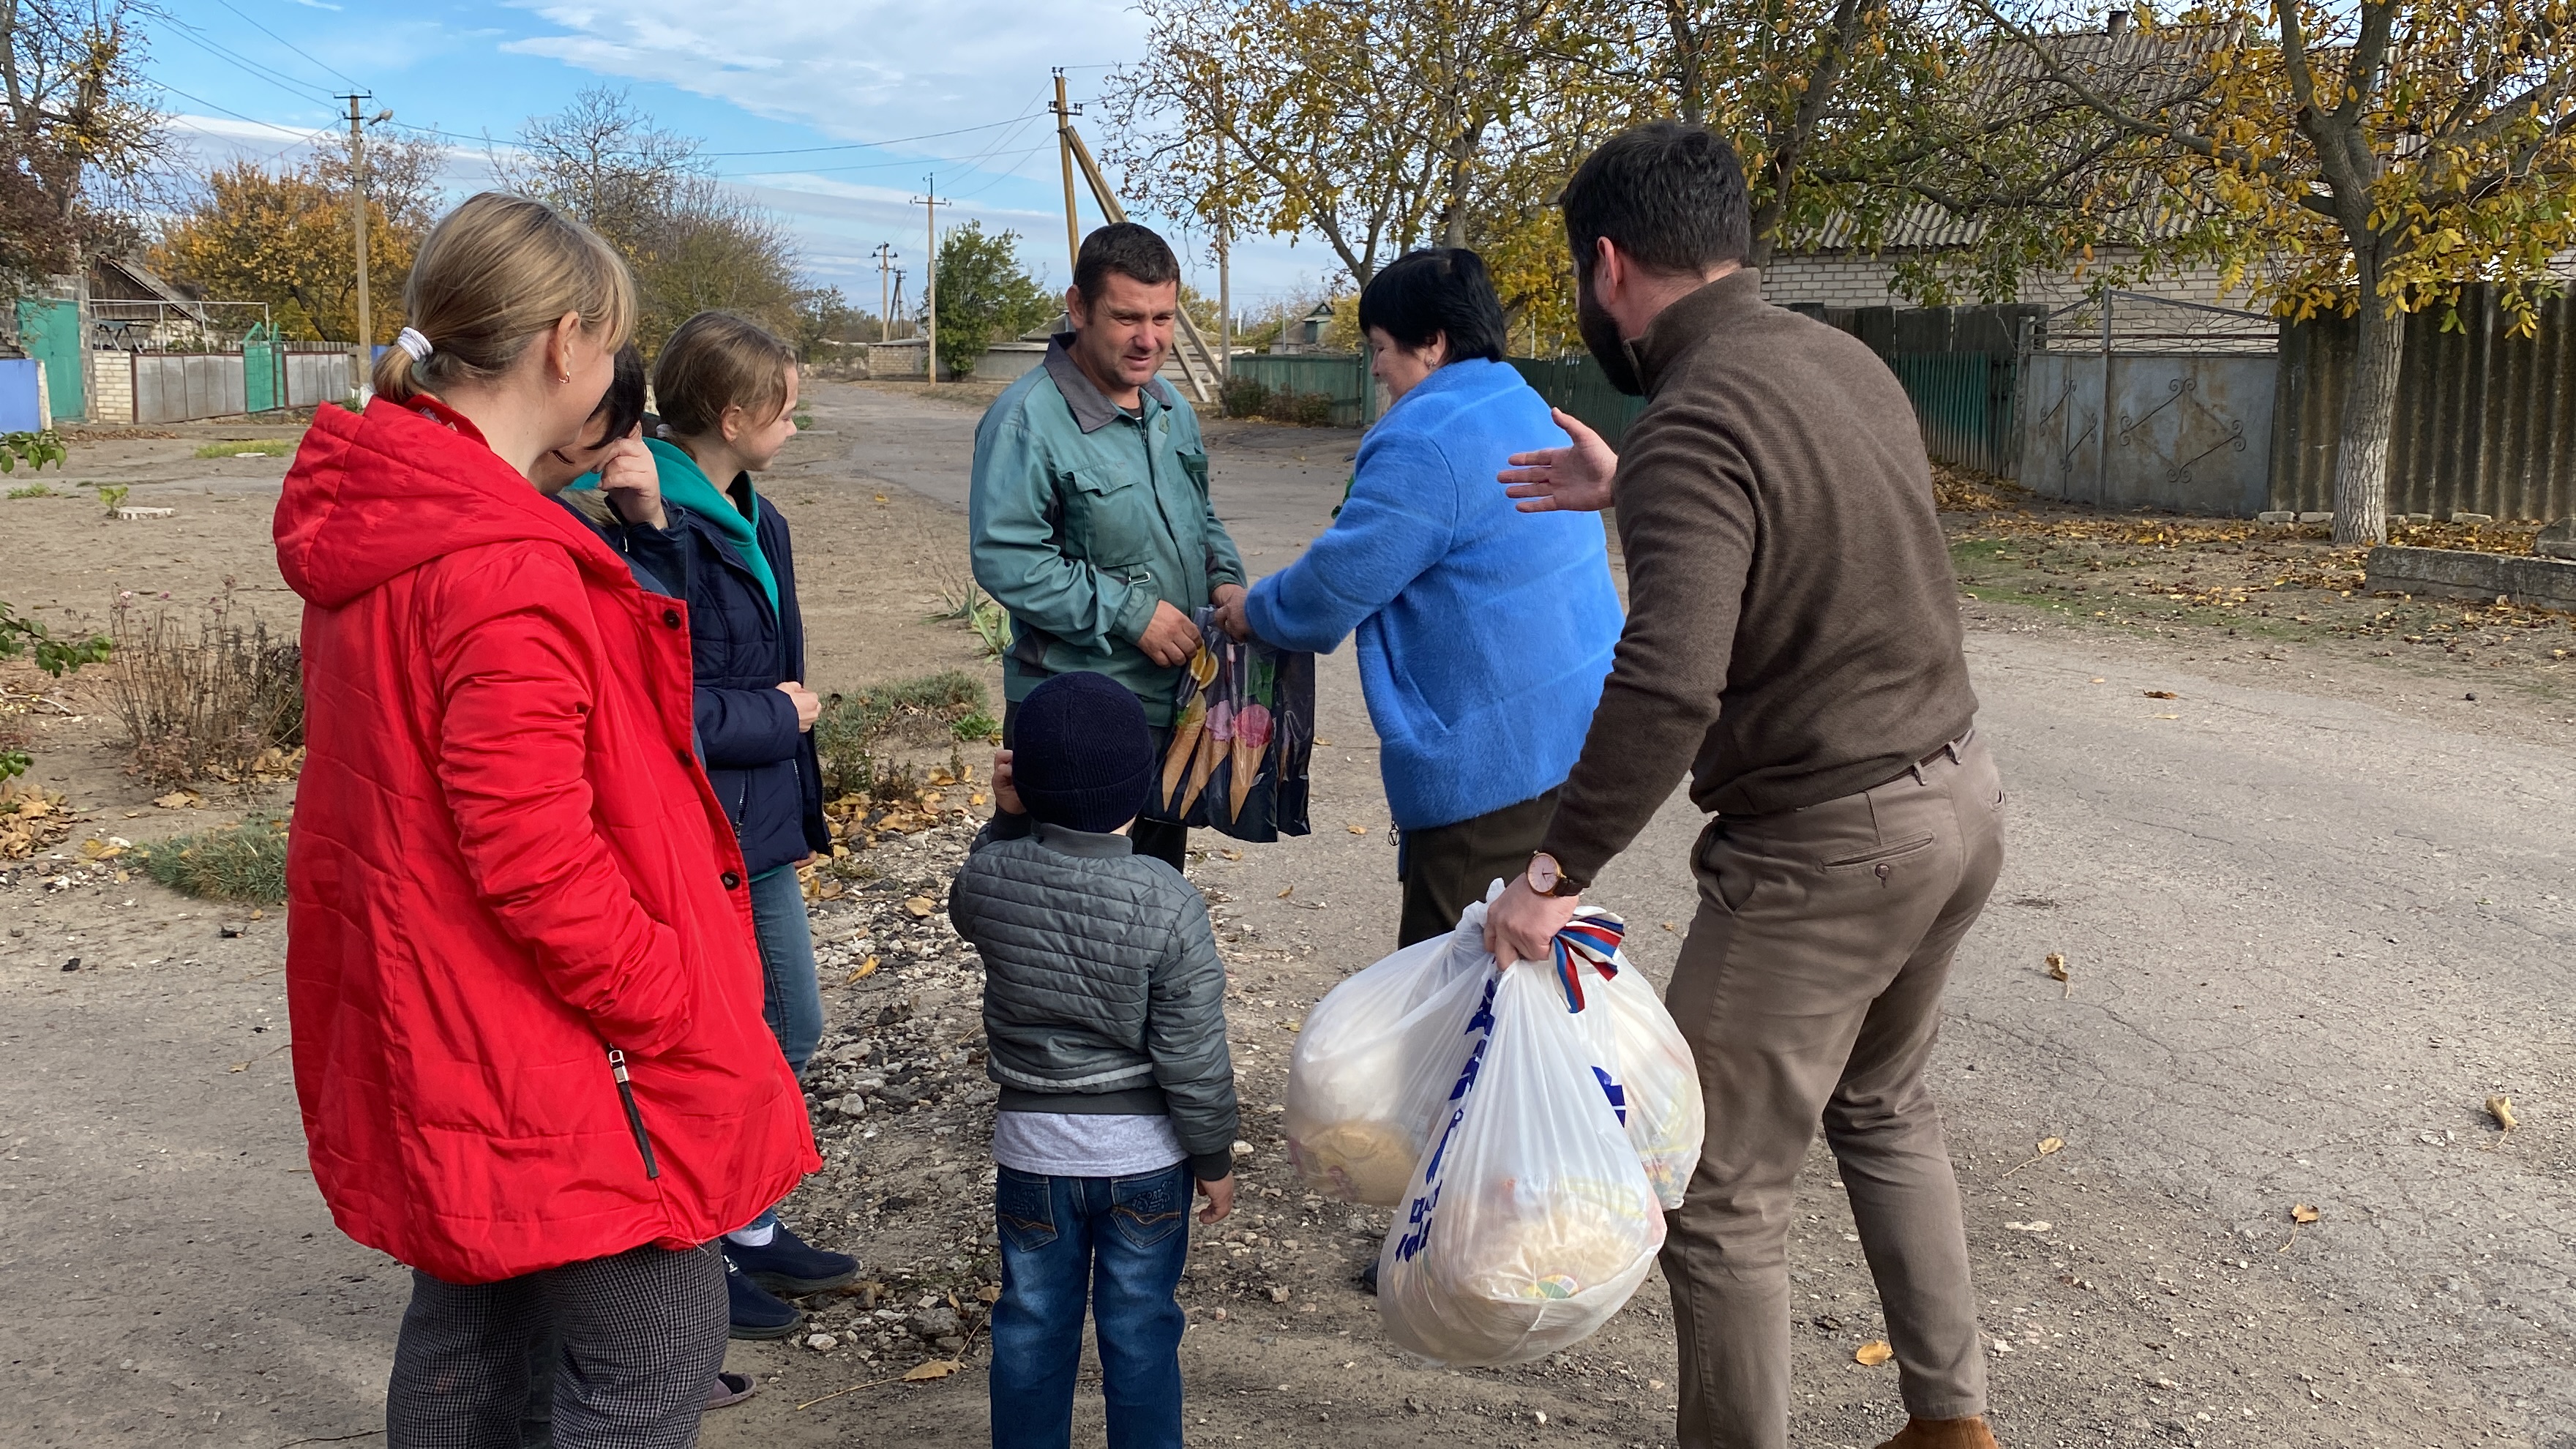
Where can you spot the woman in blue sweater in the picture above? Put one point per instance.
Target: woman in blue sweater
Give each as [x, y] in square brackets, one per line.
[1484, 632]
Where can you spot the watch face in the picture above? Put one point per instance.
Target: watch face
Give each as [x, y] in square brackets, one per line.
[1542, 872]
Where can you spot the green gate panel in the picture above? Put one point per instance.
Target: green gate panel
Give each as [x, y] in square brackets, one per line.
[259, 377]
[49, 328]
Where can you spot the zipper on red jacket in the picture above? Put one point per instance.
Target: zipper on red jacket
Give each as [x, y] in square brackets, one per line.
[634, 1119]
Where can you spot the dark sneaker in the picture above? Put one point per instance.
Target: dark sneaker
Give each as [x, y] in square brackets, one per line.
[786, 1266]
[755, 1313]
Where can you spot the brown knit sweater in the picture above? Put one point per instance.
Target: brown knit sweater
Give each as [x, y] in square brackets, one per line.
[1793, 623]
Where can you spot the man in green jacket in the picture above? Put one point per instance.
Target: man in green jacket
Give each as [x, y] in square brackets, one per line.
[1089, 515]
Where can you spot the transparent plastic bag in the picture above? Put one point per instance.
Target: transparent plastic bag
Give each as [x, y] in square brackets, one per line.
[1530, 1221]
[1657, 1078]
[1375, 1060]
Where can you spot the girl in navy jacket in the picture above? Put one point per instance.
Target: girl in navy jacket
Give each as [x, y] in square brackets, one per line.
[727, 393]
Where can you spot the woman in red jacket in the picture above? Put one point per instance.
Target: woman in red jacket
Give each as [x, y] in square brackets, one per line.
[526, 1000]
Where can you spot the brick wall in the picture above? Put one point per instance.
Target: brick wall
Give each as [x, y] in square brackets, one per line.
[1845, 280]
[111, 387]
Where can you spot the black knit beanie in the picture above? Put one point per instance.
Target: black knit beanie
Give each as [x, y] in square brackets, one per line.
[1081, 754]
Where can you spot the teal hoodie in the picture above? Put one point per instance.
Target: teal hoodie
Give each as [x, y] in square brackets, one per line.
[686, 484]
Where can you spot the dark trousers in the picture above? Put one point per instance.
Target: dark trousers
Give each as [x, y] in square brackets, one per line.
[1810, 992]
[641, 1334]
[1164, 840]
[1449, 867]
[1114, 1246]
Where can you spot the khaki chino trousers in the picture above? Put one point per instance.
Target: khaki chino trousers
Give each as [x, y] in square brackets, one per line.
[1810, 991]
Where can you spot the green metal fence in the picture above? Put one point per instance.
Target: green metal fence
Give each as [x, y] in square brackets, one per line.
[1578, 385]
[1964, 403]
[1341, 376]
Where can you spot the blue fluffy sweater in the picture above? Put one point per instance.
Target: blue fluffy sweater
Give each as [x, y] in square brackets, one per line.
[1484, 632]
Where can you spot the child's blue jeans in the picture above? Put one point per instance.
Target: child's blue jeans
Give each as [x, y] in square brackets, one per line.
[1116, 1245]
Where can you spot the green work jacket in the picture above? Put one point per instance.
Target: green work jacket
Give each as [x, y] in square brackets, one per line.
[1082, 517]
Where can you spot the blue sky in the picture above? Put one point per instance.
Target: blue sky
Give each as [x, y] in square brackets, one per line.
[767, 84]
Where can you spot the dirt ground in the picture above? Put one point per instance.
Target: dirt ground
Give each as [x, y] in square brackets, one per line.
[173, 1278]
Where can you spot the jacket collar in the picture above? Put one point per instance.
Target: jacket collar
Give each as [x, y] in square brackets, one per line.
[1092, 409]
[1083, 842]
[1683, 326]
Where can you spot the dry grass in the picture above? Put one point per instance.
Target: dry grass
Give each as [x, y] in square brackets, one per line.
[205, 696]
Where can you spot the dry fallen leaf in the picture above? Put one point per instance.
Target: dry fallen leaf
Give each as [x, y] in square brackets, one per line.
[921, 906]
[2039, 1225]
[975, 799]
[2301, 1214]
[1359, 830]
[2047, 1146]
[2057, 972]
[181, 800]
[2164, 716]
[1327, 744]
[1873, 1353]
[864, 970]
[1284, 890]
[937, 1368]
[1668, 925]
[990, 1292]
[2500, 1107]
[1231, 854]
[2162, 694]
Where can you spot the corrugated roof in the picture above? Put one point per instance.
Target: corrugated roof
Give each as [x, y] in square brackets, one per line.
[2133, 67]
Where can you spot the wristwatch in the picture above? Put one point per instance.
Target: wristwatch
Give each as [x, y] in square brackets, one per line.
[1547, 878]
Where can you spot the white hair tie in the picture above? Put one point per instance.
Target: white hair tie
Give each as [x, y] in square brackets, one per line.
[413, 343]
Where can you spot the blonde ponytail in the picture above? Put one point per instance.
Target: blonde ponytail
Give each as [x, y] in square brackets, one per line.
[494, 273]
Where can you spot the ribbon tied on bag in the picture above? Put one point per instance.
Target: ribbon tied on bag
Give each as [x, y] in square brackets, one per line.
[1591, 939]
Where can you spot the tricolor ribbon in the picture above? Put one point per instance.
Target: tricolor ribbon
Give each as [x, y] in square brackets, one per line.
[1593, 938]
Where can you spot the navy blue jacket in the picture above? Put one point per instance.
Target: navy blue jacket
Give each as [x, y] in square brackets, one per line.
[763, 767]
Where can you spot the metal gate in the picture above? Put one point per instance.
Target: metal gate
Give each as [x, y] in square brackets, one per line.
[2144, 402]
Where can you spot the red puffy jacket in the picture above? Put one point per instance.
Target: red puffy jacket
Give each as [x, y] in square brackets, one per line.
[506, 862]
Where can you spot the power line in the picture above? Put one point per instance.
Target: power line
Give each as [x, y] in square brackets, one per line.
[238, 116]
[257, 71]
[282, 40]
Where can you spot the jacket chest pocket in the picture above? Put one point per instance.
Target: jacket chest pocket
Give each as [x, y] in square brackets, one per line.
[1109, 517]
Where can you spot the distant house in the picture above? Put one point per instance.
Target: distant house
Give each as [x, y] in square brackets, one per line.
[131, 309]
[1307, 333]
[2119, 61]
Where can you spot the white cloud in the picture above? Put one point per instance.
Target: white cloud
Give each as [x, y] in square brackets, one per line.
[853, 71]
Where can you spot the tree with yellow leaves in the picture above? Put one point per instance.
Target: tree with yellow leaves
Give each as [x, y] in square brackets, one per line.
[282, 237]
[2366, 157]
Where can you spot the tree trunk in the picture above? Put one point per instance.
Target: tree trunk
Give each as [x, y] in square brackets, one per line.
[2369, 411]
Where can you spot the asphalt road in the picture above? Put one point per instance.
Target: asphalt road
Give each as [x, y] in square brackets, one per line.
[2308, 938]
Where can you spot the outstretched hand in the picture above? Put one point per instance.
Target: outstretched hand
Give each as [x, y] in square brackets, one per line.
[1571, 479]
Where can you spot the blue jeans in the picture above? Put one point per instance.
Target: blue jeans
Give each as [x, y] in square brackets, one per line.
[791, 1000]
[1117, 1246]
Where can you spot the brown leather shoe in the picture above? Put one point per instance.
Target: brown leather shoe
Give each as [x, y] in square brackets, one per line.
[1943, 1434]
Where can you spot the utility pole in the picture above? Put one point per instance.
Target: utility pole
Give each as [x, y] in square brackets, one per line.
[885, 298]
[1064, 148]
[365, 358]
[1224, 253]
[928, 201]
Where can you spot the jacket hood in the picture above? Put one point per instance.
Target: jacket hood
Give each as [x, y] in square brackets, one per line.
[374, 496]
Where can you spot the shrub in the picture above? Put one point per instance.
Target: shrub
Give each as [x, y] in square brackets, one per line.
[1243, 397]
[35, 450]
[113, 495]
[855, 728]
[244, 861]
[1305, 409]
[206, 698]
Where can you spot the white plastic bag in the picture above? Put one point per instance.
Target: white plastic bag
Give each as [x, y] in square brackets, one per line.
[1657, 1079]
[1530, 1221]
[1375, 1060]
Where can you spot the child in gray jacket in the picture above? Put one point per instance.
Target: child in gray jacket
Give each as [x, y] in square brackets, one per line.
[1104, 1016]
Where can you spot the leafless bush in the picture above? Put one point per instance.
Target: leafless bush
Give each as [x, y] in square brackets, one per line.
[204, 695]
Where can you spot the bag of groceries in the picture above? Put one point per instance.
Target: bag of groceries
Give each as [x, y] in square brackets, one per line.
[1374, 1063]
[1241, 741]
[1659, 1080]
[1530, 1220]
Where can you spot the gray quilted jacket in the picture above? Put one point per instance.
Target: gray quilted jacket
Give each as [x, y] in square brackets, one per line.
[1102, 988]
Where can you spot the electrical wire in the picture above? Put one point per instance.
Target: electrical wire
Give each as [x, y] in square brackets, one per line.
[865, 145]
[279, 79]
[291, 45]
